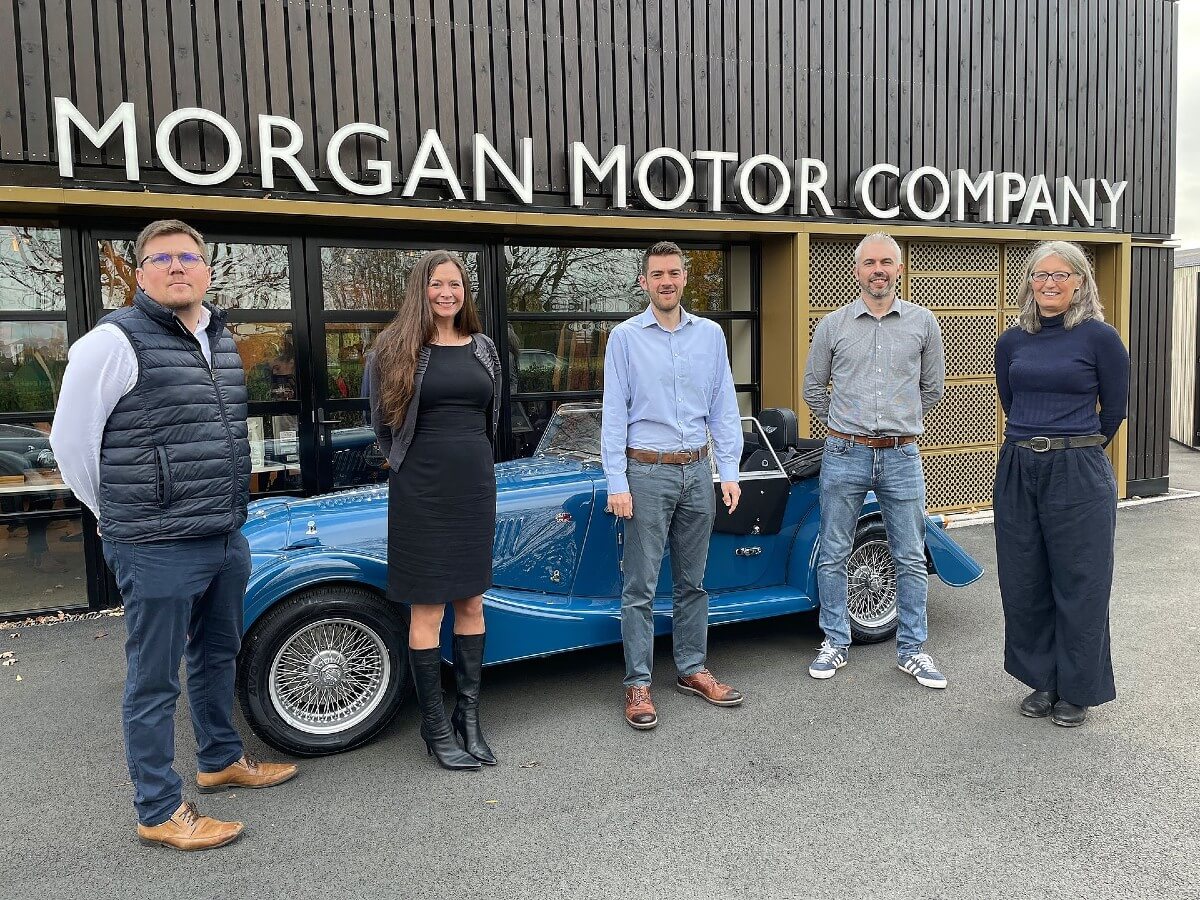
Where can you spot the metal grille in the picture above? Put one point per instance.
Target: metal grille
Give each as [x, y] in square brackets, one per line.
[1010, 320]
[966, 415]
[831, 274]
[949, 291]
[943, 256]
[970, 344]
[959, 479]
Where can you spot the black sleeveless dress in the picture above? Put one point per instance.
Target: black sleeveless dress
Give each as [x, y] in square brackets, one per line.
[442, 501]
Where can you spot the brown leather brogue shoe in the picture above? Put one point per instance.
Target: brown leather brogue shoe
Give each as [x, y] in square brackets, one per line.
[639, 708]
[245, 773]
[704, 684]
[188, 830]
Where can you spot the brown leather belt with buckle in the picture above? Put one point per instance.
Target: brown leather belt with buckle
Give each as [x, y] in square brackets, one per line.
[673, 458]
[875, 443]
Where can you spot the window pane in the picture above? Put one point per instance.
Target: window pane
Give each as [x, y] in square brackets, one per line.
[31, 271]
[602, 280]
[740, 287]
[357, 458]
[269, 358]
[41, 540]
[739, 336]
[557, 355]
[274, 454]
[370, 278]
[346, 346]
[244, 276]
[33, 356]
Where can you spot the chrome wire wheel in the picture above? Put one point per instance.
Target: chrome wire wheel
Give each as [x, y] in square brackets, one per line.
[329, 676]
[871, 584]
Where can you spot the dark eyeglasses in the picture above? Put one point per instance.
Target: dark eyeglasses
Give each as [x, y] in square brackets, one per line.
[1056, 277]
[163, 260]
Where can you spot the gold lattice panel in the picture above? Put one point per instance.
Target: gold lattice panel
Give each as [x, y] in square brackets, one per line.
[1016, 257]
[1010, 319]
[970, 344]
[966, 415]
[959, 479]
[831, 274]
[975, 292]
[953, 256]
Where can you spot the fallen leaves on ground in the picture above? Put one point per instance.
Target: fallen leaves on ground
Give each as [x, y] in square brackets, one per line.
[19, 678]
[532, 764]
[62, 616]
[100, 634]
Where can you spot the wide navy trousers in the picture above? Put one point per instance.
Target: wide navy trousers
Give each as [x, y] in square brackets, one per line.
[182, 598]
[1056, 515]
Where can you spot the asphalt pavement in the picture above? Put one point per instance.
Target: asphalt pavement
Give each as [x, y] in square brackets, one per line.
[867, 785]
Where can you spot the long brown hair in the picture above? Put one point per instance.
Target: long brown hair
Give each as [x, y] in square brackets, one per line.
[399, 345]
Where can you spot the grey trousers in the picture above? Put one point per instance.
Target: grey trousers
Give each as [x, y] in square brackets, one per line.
[672, 506]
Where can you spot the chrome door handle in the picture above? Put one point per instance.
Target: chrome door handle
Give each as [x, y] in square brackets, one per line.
[747, 551]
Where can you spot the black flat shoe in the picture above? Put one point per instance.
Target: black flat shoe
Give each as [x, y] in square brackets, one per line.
[1068, 714]
[1038, 704]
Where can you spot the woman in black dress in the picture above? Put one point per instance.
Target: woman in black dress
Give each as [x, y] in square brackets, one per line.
[434, 383]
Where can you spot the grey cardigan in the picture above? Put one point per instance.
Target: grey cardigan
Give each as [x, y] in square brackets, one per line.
[394, 444]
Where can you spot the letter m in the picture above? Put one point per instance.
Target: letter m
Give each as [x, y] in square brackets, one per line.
[66, 115]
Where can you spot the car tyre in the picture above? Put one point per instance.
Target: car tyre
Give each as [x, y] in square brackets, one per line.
[325, 670]
[871, 585]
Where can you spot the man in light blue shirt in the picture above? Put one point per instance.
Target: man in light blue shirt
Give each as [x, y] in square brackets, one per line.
[667, 388]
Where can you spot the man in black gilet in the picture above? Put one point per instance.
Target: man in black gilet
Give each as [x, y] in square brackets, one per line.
[150, 433]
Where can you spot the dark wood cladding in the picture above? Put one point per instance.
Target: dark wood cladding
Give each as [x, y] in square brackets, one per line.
[1150, 363]
[1081, 88]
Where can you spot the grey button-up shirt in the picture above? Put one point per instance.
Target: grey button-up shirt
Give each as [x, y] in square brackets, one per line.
[886, 372]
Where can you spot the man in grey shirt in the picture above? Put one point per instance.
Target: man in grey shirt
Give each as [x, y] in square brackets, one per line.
[885, 359]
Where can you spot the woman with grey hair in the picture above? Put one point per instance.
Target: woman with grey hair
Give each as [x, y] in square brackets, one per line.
[1063, 378]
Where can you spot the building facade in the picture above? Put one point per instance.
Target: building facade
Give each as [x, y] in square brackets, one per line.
[321, 146]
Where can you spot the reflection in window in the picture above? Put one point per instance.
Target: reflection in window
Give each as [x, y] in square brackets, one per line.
[41, 539]
[346, 346]
[557, 355]
[274, 454]
[31, 270]
[602, 280]
[269, 358]
[371, 278]
[33, 357]
[244, 276]
[357, 458]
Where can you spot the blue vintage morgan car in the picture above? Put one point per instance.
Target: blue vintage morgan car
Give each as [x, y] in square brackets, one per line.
[324, 667]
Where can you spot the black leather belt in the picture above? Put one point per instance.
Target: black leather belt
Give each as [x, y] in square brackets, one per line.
[1042, 444]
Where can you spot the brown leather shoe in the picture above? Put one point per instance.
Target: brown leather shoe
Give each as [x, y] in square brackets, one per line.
[245, 773]
[639, 708]
[188, 830]
[704, 684]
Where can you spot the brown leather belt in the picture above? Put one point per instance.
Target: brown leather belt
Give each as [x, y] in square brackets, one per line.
[876, 443]
[673, 458]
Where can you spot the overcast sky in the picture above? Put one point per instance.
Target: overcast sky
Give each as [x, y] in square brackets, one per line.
[1187, 205]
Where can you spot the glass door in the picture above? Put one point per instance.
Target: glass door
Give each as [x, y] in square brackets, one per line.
[355, 287]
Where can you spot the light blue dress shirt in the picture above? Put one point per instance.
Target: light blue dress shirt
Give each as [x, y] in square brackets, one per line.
[667, 391]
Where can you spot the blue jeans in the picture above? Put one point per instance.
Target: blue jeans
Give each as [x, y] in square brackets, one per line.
[848, 471]
[676, 506]
[181, 596]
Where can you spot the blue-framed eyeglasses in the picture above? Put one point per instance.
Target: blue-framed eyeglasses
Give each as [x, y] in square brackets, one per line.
[163, 260]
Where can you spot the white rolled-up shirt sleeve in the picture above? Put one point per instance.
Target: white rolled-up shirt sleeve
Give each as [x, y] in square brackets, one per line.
[101, 369]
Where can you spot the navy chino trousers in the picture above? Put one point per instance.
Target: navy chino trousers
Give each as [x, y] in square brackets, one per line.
[182, 597]
[1056, 518]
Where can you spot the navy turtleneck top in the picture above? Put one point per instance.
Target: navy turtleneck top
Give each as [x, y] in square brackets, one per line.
[1051, 383]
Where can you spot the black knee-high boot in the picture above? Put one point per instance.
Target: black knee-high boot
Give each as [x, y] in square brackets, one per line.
[439, 739]
[468, 664]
